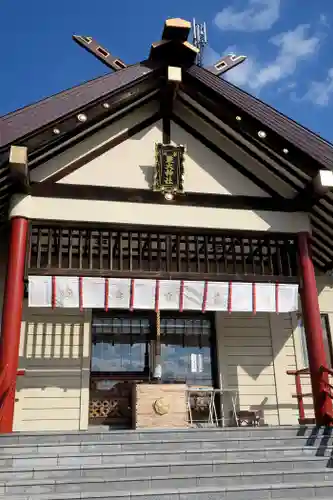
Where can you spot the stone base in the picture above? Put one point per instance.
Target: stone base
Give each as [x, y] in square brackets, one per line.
[161, 406]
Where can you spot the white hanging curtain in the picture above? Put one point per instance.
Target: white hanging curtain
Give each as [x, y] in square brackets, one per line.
[119, 293]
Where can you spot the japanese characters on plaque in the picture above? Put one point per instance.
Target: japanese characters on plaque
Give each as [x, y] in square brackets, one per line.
[169, 168]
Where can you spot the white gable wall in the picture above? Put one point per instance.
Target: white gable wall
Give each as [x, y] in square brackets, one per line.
[131, 163]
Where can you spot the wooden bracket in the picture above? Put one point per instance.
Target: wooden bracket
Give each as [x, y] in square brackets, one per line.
[18, 167]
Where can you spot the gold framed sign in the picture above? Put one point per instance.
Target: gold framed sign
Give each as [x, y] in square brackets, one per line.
[169, 169]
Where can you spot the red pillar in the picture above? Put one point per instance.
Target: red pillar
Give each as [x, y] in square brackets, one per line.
[11, 317]
[313, 330]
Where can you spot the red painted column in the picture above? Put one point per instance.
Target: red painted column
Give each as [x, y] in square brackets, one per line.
[11, 317]
[313, 329]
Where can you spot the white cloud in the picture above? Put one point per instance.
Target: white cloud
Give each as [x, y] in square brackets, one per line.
[259, 15]
[321, 92]
[323, 20]
[293, 47]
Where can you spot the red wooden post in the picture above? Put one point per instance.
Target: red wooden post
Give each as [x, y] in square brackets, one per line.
[299, 395]
[11, 317]
[313, 330]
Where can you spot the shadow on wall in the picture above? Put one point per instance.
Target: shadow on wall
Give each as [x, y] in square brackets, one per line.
[255, 353]
[54, 352]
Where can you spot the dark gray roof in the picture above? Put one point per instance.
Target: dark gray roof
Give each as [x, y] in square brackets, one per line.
[24, 121]
[309, 142]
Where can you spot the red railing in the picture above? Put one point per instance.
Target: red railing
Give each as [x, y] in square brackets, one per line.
[298, 374]
[328, 390]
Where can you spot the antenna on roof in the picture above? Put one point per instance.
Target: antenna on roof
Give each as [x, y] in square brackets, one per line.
[199, 39]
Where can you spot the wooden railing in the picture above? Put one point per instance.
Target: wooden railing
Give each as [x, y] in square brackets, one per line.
[300, 395]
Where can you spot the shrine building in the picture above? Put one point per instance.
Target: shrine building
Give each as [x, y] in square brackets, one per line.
[166, 251]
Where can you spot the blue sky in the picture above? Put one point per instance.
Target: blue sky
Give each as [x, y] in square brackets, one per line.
[287, 42]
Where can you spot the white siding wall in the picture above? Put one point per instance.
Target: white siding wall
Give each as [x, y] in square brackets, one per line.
[254, 354]
[55, 351]
[325, 294]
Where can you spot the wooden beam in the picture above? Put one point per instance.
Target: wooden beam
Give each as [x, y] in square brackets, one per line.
[18, 167]
[174, 53]
[133, 195]
[104, 55]
[72, 167]
[316, 189]
[168, 95]
[234, 163]
[270, 164]
[247, 126]
[176, 29]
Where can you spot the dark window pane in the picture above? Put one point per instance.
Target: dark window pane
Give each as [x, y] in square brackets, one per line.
[185, 350]
[119, 344]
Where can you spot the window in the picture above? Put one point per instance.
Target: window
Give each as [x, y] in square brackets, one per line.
[327, 341]
[186, 350]
[120, 344]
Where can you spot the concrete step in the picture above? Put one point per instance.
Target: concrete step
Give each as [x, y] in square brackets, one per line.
[153, 469]
[286, 491]
[160, 435]
[167, 456]
[176, 481]
[218, 441]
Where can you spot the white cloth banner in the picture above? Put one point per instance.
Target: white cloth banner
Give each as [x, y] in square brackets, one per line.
[193, 295]
[169, 295]
[119, 293]
[217, 296]
[67, 292]
[241, 297]
[287, 298]
[144, 294]
[269, 297]
[265, 297]
[93, 293]
[40, 291]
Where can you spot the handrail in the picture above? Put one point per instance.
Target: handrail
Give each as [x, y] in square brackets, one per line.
[325, 369]
[328, 387]
[299, 394]
[328, 390]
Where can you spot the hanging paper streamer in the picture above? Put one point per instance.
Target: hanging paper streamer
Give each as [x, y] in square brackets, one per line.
[40, 291]
[217, 296]
[119, 293]
[144, 294]
[288, 298]
[93, 293]
[67, 292]
[242, 297]
[265, 297]
[169, 296]
[193, 295]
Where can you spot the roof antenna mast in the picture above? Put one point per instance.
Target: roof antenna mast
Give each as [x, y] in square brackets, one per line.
[200, 40]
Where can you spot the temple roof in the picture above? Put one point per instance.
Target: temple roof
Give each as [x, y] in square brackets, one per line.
[288, 151]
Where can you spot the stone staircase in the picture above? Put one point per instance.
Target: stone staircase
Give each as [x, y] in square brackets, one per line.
[202, 464]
